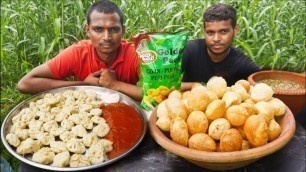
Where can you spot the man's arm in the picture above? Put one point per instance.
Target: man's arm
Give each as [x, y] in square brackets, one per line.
[41, 78]
[109, 80]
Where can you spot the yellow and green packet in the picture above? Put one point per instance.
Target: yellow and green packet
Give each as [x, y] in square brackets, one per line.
[160, 55]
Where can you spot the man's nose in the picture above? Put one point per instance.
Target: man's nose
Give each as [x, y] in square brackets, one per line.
[106, 35]
[216, 37]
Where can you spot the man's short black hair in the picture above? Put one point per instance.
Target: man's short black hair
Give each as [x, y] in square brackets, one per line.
[220, 12]
[104, 6]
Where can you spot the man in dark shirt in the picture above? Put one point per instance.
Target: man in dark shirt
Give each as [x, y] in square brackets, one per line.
[215, 55]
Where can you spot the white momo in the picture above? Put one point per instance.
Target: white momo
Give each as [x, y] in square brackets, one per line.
[43, 156]
[33, 132]
[90, 139]
[67, 135]
[45, 138]
[79, 130]
[96, 111]
[57, 131]
[22, 134]
[108, 145]
[49, 125]
[12, 139]
[58, 146]
[75, 118]
[59, 117]
[97, 119]
[18, 125]
[87, 123]
[36, 124]
[28, 146]
[101, 130]
[67, 124]
[77, 160]
[62, 159]
[75, 146]
[96, 154]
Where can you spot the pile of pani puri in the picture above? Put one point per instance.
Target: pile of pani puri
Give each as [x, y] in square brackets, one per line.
[219, 118]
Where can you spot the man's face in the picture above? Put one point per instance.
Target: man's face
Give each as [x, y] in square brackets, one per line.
[105, 32]
[219, 36]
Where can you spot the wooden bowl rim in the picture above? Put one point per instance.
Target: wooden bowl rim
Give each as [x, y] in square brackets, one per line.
[223, 157]
[279, 91]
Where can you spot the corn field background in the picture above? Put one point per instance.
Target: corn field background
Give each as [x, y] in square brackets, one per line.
[272, 33]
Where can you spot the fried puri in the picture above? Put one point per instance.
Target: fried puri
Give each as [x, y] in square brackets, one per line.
[231, 98]
[161, 109]
[236, 115]
[245, 84]
[197, 122]
[266, 108]
[230, 141]
[261, 92]
[218, 127]
[274, 130]
[250, 108]
[179, 131]
[218, 85]
[176, 108]
[279, 106]
[215, 109]
[164, 122]
[256, 131]
[198, 99]
[238, 88]
[175, 94]
[202, 141]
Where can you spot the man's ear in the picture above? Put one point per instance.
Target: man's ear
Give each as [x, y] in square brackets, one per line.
[236, 28]
[87, 30]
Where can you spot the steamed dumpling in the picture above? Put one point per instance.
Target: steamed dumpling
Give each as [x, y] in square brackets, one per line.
[67, 135]
[62, 159]
[28, 146]
[79, 130]
[44, 156]
[12, 139]
[75, 146]
[90, 139]
[58, 146]
[45, 138]
[101, 130]
[96, 154]
[77, 160]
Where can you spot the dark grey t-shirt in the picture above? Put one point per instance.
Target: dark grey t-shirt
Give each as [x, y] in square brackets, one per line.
[198, 67]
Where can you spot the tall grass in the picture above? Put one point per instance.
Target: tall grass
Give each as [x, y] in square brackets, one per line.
[272, 33]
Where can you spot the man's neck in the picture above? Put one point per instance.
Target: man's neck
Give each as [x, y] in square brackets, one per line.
[218, 57]
[108, 59]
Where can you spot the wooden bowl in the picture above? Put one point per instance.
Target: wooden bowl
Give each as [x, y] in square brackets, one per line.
[225, 160]
[294, 99]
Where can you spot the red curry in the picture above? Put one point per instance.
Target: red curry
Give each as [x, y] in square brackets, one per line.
[125, 127]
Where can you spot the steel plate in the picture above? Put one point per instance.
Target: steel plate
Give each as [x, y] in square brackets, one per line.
[7, 123]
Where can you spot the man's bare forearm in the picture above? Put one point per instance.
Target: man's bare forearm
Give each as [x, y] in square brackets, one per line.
[36, 85]
[132, 91]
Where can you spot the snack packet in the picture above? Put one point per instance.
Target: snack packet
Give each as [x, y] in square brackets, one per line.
[160, 55]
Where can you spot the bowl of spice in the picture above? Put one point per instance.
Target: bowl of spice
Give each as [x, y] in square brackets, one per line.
[287, 86]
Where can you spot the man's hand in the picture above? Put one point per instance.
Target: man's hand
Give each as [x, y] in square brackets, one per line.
[93, 78]
[108, 79]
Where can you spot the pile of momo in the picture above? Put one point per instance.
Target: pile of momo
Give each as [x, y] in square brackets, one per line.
[62, 129]
[218, 118]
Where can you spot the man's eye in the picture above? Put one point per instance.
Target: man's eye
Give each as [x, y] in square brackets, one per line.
[209, 32]
[98, 29]
[115, 30]
[223, 32]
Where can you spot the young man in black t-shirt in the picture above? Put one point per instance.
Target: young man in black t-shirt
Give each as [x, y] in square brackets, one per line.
[214, 55]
